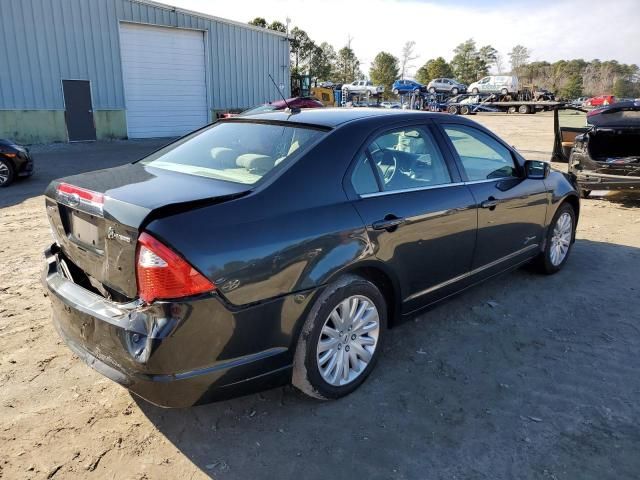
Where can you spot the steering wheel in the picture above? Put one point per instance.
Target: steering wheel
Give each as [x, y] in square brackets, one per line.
[386, 163]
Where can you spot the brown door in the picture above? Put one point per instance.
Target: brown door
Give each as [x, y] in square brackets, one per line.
[78, 110]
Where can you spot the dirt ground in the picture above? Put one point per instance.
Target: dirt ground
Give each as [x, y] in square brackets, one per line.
[523, 377]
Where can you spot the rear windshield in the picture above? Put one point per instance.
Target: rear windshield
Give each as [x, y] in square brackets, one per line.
[234, 151]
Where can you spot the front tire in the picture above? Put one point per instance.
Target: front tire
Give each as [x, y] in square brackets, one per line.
[341, 339]
[454, 91]
[395, 91]
[559, 241]
[7, 173]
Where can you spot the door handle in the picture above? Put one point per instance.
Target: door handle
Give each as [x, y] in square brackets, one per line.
[489, 203]
[389, 223]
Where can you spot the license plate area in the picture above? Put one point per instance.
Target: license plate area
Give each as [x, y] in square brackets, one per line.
[85, 230]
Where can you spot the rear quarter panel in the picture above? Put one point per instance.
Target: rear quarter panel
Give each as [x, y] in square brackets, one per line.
[293, 235]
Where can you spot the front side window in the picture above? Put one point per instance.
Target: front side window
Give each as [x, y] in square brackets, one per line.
[406, 158]
[482, 157]
[240, 152]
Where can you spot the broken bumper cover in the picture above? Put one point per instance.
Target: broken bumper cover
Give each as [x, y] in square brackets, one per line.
[173, 354]
[602, 181]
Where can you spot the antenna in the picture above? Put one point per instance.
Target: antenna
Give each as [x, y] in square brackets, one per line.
[291, 110]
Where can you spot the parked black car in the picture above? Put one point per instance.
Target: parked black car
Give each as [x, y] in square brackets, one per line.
[279, 247]
[606, 154]
[15, 161]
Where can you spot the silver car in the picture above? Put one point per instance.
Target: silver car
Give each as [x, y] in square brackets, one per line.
[446, 85]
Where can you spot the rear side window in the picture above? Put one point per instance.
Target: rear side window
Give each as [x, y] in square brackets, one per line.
[482, 157]
[234, 151]
[363, 178]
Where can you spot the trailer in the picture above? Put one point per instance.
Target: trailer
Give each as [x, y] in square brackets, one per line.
[515, 106]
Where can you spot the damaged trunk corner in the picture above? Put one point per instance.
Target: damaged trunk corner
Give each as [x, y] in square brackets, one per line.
[96, 220]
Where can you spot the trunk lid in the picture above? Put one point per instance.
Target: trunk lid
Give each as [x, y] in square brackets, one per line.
[618, 115]
[98, 235]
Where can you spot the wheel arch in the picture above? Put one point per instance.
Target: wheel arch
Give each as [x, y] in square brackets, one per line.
[384, 280]
[574, 201]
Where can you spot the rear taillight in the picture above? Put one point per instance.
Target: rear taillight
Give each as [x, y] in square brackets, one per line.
[80, 197]
[163, 274]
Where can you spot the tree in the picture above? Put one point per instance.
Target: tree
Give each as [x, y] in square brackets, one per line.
[623, 87]
[465, 61]
[384, 71]
[277, 26]
[258, 22]
[434, 68]
[322, 64]
[487, 56]
[347, 65]
[407, 57]
[499, 64]
[519, 56]
[302, 48]
[573, 89]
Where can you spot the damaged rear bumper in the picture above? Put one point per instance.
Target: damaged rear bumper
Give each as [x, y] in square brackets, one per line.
[173, 354]
[601, 181]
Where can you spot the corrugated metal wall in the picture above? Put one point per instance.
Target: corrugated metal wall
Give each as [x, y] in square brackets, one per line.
[44, 41]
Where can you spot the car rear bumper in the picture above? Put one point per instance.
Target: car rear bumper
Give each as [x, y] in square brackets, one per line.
[173, 354]
[601, 181]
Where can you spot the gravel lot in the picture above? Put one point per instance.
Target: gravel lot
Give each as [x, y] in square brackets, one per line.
[523, 377]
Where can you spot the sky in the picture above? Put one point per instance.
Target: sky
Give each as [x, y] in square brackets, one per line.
[552, 30]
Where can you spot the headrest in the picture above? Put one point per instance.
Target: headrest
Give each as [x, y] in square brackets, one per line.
[224, 157]
[255, 163]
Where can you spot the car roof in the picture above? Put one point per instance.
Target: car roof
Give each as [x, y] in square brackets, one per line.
[333, 117]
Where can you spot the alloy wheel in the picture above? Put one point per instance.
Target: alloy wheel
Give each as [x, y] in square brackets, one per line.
[348, 340]
[4, 173]
[561, 239]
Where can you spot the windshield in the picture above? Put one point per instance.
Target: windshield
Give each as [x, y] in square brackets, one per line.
[238, 152]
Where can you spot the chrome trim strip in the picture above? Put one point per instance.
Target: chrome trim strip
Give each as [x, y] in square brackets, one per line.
[471, 273]
[490, 180]
[415, 189]
[432, 187]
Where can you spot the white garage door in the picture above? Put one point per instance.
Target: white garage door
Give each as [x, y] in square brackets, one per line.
[164, 80]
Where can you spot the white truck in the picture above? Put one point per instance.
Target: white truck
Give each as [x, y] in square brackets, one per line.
[362, 87]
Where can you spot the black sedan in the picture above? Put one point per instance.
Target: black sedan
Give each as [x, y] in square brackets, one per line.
[15, 161]
[280, 247]
[606, 154]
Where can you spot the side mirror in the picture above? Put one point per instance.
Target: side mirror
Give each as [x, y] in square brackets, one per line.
[536, 169]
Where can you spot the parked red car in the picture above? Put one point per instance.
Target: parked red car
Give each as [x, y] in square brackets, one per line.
[601, 100]
[294, 102]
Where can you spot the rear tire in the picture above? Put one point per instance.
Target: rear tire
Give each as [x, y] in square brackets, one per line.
[395, 91]
[504, 91]
[475, 91]
[454, 91]
[432, 90]
[558, 242]
[524, 109]
[7, 173]
[453, 109]
[464, 110]
[312, 372]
